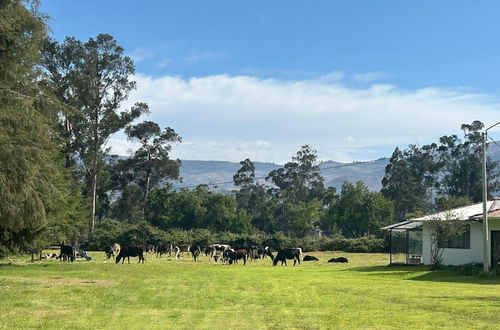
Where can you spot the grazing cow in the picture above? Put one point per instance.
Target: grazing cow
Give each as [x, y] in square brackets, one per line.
[113, 250]
[217, 252]
[233, 255]
[67, 253]
[195, 252]
[178, 249]
[261, 253]
[283, 254]
[310, 258]
[339, 259]
[163, 249]
[131, 251]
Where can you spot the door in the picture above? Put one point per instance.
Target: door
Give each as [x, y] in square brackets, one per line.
[495, 247]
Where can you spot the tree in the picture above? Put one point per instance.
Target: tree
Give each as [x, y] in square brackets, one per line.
[358, 211]
[461, 164]
[300, 179]
[440, 232]
[96, 75]
[151, 162]
[33, 187]
[409, 176]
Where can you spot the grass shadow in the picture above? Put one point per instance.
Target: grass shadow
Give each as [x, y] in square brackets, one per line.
[424, 273]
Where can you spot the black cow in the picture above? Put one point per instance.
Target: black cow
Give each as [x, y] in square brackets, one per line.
[163, 249]
[131, 251]
[67, 253]
[195, 252]
[339, 259]
[310, 258]
[283, 254]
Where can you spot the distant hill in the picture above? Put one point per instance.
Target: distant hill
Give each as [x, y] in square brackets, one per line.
[196, 172]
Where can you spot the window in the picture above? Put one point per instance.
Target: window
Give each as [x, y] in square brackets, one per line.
[459, 242]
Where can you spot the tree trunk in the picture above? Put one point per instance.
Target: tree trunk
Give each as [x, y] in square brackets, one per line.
[94, 199]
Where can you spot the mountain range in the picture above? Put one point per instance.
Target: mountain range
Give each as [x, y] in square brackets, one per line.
[220, 173]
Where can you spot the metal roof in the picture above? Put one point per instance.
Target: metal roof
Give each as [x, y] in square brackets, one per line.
[471, 212]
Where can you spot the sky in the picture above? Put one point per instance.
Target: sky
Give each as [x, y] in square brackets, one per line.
[258, 79]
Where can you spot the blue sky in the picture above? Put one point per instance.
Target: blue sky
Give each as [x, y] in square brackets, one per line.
[259, 78]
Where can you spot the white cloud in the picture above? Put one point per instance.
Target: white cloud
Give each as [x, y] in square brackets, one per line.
[141, 54]
[225, 117]
[368, 77]
[204, 56]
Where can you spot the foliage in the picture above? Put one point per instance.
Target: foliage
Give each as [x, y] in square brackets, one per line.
[358, 212]
[450, 170]
[36, 195]
[97, 76]
[440, 232]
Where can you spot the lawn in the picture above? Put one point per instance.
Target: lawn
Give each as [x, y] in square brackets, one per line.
[366, 293]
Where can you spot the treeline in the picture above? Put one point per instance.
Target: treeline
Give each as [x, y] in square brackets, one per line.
[439, 176]
[60, 102]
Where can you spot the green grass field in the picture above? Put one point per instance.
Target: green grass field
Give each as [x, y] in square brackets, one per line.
[366, 293]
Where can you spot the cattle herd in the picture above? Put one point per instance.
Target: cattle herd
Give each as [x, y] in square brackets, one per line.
[215, 252]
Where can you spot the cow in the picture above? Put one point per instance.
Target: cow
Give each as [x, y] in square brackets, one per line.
[178, 249]
[339, 259]
[310, 258]
[233, 255]
[216, 251]
[261, 252]
[67, 253]
[131, 251]
[113, 250]
[164, 249]
[195, 252]
[291, 253]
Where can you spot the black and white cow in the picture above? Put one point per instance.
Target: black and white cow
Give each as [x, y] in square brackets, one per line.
[113, 250]
[179, 249]
[195, 252]
[291, 253]
[339, 259]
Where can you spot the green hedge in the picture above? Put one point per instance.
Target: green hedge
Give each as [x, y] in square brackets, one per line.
[111, 231]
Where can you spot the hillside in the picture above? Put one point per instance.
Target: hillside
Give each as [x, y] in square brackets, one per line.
[196, 172]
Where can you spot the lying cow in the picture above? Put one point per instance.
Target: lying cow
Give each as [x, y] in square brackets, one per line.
[283, 254]
[310, 258]
[131, 251]
[113, 250]
[67, 253]
[339, 259]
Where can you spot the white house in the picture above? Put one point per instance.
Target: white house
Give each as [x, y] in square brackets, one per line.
[412, 238]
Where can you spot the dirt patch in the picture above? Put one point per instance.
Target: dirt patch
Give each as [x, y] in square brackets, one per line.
[56, 281]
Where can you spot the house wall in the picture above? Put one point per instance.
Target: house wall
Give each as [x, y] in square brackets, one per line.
[460, 256]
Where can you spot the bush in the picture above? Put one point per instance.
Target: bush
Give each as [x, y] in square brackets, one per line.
[470, 269]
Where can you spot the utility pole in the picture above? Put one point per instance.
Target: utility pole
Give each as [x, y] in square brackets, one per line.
[486, 238]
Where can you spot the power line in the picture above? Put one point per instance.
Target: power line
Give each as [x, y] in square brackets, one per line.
[214, 184]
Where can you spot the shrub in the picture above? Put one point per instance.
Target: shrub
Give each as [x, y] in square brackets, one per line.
[470, 269]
